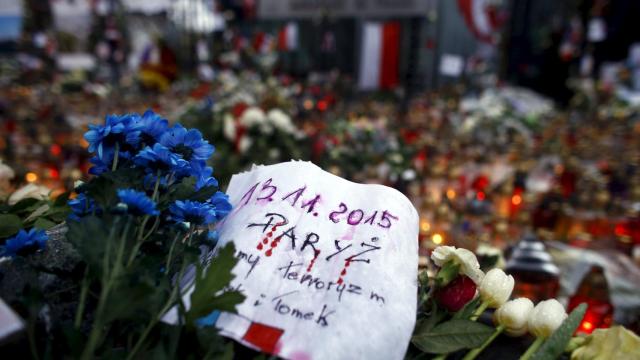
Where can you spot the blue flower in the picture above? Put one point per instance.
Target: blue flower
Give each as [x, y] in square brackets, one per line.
[188, 143]
[202, 174]
[123, 129]
[24, 241]
[149, 181]
[201, 213]
[82, 206]
[152, 127]
[138, 203]
[99, 166]
[194, 212]
[213, 236]
[161, 158]
[220, 201]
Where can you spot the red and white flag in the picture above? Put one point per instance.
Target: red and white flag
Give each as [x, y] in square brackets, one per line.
[482, 18]
[288, 37]
[379, 55]
[263, 43]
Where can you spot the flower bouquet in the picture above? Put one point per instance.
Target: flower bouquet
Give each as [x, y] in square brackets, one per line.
[99, 285]
[364, 149]
[452, 318]
[250, 118]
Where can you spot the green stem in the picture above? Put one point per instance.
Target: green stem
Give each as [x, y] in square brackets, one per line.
[192, 229]
[96, 329]
[114, 166]
[156, 318]
[83, 297]
[475, 352]
[441, 357]
[533, 348]
[476, 314]
[173, 245]
[157, 185]
[32, 341]
[153, 229]
[140, 238]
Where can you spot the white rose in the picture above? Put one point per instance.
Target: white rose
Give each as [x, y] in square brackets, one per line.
[496, 287]
[252, 116]
[280, 120]
[244, 144]
[29, 191]
[6, 172]
[467, 260]
[514, 315]
[229, 127]
[546, 317]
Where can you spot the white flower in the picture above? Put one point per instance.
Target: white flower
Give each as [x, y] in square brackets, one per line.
[466, 259]
[513, 315]
[244, 144]
[29, 191]
[496, 287]
[229, 127]
[546, 317]
[252, 116]
[281, 120]
[6, 172]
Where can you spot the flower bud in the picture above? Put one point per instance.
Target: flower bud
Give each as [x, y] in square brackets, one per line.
[467, 260]
[513, 315]
[455, 295]
[546, 317]
[496, 287]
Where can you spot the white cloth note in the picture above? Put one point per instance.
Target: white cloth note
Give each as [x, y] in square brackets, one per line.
[329, 267]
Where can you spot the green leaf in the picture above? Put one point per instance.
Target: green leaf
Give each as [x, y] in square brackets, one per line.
[44, 224]
[9, 225]
[61, 200]
[467, 310]
[211, 281]
[26, 206]
[427, 323]
[102, 190]
[58, 214]
[204, 194]
[448, 272]
[227, 301]
[557, 342]
[453, 335]
[90, 237]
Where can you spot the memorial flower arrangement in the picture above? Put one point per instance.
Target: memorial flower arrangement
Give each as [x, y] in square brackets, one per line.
[100, 285]
[452, 301]
[251, 118]
[367, 146]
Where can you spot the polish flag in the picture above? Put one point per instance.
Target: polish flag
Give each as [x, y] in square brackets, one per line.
[288, 37]
[263, 42]
[482, 18]
[379, 55]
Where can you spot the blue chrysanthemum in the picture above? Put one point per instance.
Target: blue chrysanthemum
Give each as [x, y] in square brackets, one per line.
[99, 166]
[201, 213]
[138, 203]
[152, 126]
[193, 212]
[149, 181]
[82, 206]
[202, 173]
[161, 158]
[24, 241]
[220, 201]
[121, 129]
[188, 143]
